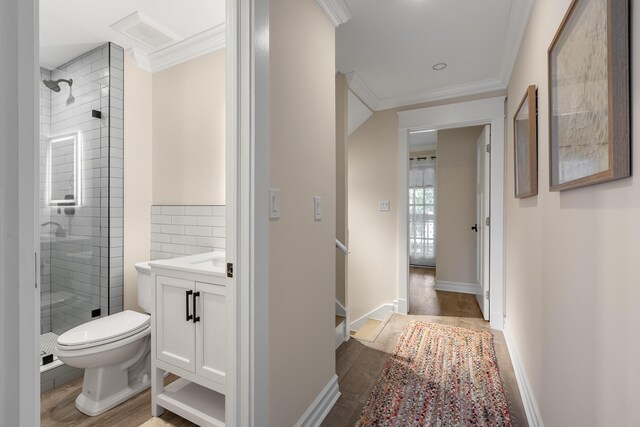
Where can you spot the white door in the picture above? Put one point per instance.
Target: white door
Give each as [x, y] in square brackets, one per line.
[175, 340]
[482, 215]
[211, 332]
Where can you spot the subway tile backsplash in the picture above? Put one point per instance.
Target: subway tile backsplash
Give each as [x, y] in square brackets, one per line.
[186, 230]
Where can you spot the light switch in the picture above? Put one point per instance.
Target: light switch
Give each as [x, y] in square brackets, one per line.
[274, 203]
[384, 205]
[317, 208]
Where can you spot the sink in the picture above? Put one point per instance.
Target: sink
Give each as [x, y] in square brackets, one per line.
[207, 263]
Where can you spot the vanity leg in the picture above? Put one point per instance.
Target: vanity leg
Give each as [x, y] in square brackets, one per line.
[157, 386]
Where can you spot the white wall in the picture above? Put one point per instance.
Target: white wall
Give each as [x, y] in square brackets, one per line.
[189, 132]
[572, 293]
[138, 148]
[302, 165]
[456, 205]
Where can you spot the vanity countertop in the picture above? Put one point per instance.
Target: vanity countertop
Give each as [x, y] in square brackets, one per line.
[211, 263]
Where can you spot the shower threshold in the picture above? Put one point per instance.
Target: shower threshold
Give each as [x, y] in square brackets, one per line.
[48, 360]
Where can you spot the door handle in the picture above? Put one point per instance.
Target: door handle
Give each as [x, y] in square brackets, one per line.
[189, 316]
[475, 228]
[196, 318]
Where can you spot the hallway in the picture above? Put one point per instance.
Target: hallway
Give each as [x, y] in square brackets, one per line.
[359, 363]
[425, 300]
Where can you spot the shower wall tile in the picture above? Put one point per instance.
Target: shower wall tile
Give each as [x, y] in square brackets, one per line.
[186, 230]
[116, 178]
[81, 276]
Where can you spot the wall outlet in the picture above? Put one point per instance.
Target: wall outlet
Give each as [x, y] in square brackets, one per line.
[274, 203]
[317, 208]
[384, 205]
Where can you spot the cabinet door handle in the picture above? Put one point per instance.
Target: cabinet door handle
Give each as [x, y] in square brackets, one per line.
[196, 318]
[189, 316]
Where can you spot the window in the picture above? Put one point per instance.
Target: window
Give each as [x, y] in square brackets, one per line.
[422, 210]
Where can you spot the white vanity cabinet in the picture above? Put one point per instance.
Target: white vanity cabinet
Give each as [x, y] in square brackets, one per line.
[190, 333]
[192, 326]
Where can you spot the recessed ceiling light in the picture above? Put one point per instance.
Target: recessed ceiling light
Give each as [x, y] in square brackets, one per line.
[439, 66]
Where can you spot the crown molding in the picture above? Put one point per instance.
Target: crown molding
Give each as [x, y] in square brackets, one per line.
[516, 27]
[465, 89]
[141, 59]
[366, 95]
[206, 42]
[336, 10]
[362, 91]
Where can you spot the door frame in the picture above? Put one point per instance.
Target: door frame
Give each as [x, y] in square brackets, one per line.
[247, 44]
[247, 156]
[489, 111]
[19, 215]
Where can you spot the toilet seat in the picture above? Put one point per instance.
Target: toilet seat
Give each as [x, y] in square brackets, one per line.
[115, 327]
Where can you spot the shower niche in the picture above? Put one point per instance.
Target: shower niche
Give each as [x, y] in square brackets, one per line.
[81, 198]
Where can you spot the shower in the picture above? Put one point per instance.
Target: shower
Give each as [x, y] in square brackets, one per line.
[54, 85]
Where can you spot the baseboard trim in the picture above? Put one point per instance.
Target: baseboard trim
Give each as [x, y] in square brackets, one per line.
[464, 288]
[401, 306]
[321, 406]
[526, 393]
[379, 313]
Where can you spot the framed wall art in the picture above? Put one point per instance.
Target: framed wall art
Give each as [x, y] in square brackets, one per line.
[589, 95]
[525, 142]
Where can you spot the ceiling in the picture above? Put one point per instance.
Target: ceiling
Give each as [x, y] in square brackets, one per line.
[69, 28]
[389, 47]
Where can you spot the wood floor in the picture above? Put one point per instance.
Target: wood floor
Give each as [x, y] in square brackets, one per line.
[359, 363]
[425, 300]
[58, 409]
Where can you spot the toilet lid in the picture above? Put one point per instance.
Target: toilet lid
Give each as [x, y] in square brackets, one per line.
[105, 329]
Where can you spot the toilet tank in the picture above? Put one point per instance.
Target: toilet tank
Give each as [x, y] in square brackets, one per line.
[145, 296]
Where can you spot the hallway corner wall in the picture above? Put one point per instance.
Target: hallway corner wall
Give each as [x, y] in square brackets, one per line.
[302, 156]
[572, 294]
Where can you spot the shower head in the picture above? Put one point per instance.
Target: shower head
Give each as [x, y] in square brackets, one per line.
[54, 85]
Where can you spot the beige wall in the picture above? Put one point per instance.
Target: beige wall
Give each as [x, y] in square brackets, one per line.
[342, 232]
[373, 236]
[138, 124]
[456, 205]
[301, 250]
[572, 270]
[174, 147]
[189, 132]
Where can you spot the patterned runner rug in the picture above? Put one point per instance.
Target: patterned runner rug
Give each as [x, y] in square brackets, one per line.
[438, 376]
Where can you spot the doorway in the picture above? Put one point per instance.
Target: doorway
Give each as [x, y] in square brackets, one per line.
[484, 112]
[446, 197]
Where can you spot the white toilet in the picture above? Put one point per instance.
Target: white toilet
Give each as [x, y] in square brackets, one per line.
[114, 352]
